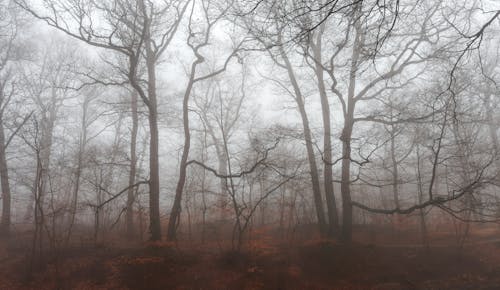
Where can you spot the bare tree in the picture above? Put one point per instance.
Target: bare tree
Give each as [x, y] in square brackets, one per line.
[196, 43]
[138, 31]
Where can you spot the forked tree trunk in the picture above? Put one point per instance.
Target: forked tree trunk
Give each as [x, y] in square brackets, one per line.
[318, 201]
[333, 223]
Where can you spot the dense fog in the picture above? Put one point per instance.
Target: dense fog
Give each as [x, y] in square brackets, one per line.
[249, 139]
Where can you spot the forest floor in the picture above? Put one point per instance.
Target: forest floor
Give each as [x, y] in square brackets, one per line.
[383, 259]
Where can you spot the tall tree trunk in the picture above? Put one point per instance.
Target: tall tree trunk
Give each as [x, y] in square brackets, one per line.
[327, 141]
[492, 125]
[423, 226]
[467, 179]
[78, 171]
[4, 182]
[345, 184]
[222, 167]
[318, 201]
[492, 129]
[395, 173]
[154, 166]
[176, 207]
[48, 119]
[129, 215]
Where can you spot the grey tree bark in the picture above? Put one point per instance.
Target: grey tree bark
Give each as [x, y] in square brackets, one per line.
[333, 223]
[299, 99]
[129, 215]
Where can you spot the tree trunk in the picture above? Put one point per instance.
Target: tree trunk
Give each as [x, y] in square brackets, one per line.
[345, 184]
[78, 172]
[492, 129]
[318, 201]
[176, 207]
[327, 142]
[154, 166]
[423, 226]
[129, 215]
[154, 178]
[395, 173]
[47, 124]
[4, 181]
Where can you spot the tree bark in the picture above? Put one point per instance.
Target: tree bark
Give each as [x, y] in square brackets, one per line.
[345, 184]
[176, 207]
[78, 171]
[129, 215]
[154, 168]
[318, 201]
[4, 181]
[152, 103]
[327, 142]
[395, 173]
[48, 119]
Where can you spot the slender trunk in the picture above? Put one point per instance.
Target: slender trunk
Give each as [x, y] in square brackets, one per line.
[203, 195]
[176, 207]
[222, 168]
[327, 142]
[469, 198]
[78, 172]
[492, 129]
[47, 124]
[423, 226]
[345, 184]
[133, 167]
[395, 173]
[318, 201]
[222, 159]
[154, 178]
[492, 126]
[154, 166]
[4, 181]
[38, 215]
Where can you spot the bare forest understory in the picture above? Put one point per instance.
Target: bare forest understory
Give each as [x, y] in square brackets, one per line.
[381, 257]
[249, 144]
